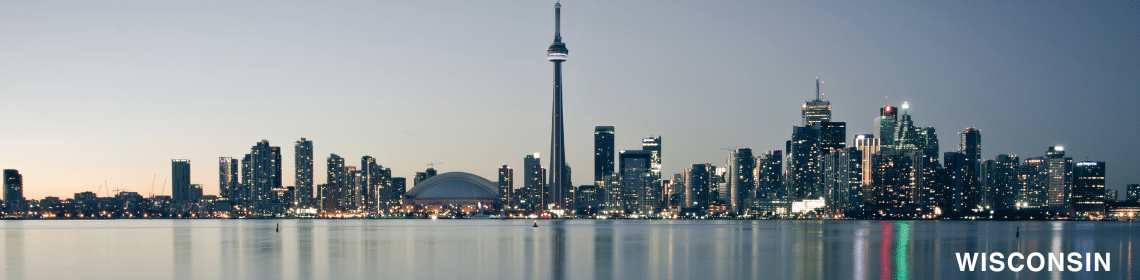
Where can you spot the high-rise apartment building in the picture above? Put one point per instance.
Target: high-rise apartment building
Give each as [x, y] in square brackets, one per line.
[770, 176]
[335, 182]
[697, 193]
[228, 181]
[534, 183]
[892, 186]
[506, 187]
[741, 179]
[265, 171]
[303, 172]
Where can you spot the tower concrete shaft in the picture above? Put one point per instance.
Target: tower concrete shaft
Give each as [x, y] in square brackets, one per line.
[558, 188]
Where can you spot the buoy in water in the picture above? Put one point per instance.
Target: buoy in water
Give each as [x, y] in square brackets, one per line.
[1018, 232]
[535, 224]
[278, 228]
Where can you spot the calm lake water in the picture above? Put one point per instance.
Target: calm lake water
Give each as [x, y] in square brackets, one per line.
[571, 249]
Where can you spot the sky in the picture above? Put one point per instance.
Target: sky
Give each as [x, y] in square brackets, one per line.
[106, 93]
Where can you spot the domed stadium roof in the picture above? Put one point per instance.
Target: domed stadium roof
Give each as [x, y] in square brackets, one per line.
[455, 185]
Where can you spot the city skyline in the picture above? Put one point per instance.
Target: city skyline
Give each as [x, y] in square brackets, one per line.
[75, 124]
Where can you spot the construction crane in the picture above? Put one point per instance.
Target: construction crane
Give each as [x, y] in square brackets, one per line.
[152, 178]
[432, 164]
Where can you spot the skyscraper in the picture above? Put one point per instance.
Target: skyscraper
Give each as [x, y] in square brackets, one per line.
[770, 176]
[399, 186]
[741, 180]
[228, 178]
[869, 145]
[1033, 177]
[637, 181]
[371, 183]
[265, 171]
[885, 127]
[816, 110]
[842, 178]
[971, 147]
[506, 186]
[1060, 178]
[832, 136]
[802, 161]
[243, 193]
[603, 152]
[331, 192]
[1088, 189]
[180, 181]
[534, 178]
[303, 172]
[653, 145]
[697, 187]
[13, 190]
[558, 181]
[892, 187]
[1002, 183]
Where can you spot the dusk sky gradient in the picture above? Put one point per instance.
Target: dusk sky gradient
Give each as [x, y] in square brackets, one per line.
[111, 91]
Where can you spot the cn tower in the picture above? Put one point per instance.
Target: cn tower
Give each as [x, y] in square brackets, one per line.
[558, 189]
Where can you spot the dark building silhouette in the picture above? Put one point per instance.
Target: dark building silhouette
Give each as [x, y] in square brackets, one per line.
[770, 176]
[603, 152]
[399, 187]
[969, 195]
[180, 181]
[13, 190]
[802, 161]
[1133, 192]
[832, 136]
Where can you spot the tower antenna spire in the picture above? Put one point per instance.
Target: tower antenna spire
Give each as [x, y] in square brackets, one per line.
[557, 21]
[817, 88]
